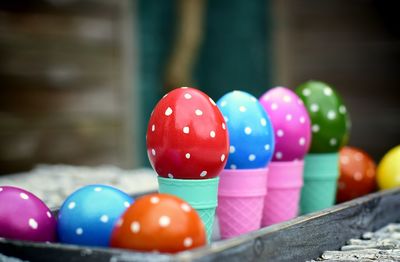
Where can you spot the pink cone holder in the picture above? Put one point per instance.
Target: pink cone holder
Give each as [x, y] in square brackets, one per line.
[285, 180]
[241, 196]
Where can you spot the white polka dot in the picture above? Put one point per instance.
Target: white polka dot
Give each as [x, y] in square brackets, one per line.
[79, 231]
[280, 133]
[252, 157]
[267, 147]
[186, 130]
[24, 196]
[226, 119]
[242, 109]
[212, 101]
[342, 109]
[314, 108]
[154, 200]
[198, 112]
[222, 157]
[164, 221]
[331, 115]
[188, 96]
[344, 160]
[274, 106]
[233, 166]
[135, 227]
[302, 120]
[327, 91]
[187, 242]
[126, 204]
[185, 207]
[357, 176]
[212, 134]
[104, 218]
[187, 155]
[153, 128]
[168, 112]
[315, 128]
[247, 130]
[97, 189]
[333, 141]
[223, 126]
[302, 141]
[287, 99]
[289, 117]
[71, 205]
[223, 103]
[263, 122]
[203, 173]
[306, 92]
[232, 149]
[32, 223]
[170, 175]
[1, 189]
[153, 152]
[278, 155]
[48, 214]
[266, 98]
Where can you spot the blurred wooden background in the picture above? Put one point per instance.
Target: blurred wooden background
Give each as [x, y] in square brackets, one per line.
[65, 94]
[353, 45]
[70, 91]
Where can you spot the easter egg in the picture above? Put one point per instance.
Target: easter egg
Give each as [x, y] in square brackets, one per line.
[187, 136]
[159, 222]
[88, 215]
[388, 173]
[291, 123]
[250, 131]
[23, 216]
[357, 174]
[330, 122]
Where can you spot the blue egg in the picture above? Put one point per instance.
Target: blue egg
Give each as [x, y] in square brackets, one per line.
[88, 215]
[250, 130]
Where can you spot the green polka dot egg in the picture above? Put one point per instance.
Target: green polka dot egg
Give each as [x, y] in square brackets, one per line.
[328, 114]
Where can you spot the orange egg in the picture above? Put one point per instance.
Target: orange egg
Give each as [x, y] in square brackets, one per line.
[357, 174]
[159, 222]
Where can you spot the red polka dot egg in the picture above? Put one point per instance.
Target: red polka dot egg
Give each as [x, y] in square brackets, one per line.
[159, 222]
[291, 123]
[23, 216]
[187, 136]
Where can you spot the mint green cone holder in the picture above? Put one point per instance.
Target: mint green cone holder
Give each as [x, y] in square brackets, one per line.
[321, 172]
[201, 194]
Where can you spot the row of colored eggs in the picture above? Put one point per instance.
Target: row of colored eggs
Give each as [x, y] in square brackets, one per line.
[187, 137]
[100, 215]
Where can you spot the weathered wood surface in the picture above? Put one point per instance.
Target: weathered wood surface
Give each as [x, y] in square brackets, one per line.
[301, 239]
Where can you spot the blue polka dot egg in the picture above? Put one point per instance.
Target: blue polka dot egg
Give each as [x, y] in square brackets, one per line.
[87, 216]
[251, 133]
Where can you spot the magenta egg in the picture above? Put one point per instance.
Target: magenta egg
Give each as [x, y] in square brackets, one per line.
[291, 123]
[24, 216]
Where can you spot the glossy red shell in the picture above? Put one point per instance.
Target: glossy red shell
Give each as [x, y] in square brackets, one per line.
[187, 136]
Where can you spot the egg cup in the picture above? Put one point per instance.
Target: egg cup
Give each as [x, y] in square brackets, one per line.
[285, 180]
[321, 172]
[241, 196]
[201, 194]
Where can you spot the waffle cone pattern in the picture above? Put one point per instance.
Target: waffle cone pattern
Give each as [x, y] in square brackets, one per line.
[285, 180]
[201, 194]
[321, 172]
[241, 196]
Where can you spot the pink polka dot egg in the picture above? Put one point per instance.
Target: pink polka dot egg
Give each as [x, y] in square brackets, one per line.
[291, 123]
[23, 216]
